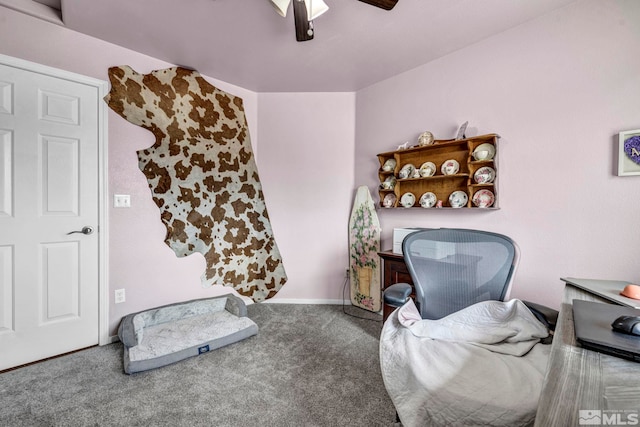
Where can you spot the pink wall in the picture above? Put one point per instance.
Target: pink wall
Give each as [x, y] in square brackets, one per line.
[139, 261]
[306, 166]
[558, 90]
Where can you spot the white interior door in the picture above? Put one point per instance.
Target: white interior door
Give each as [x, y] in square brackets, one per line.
[49, 187]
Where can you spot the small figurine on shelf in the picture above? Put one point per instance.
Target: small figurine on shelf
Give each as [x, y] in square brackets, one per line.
[439, 204]
[403, 146]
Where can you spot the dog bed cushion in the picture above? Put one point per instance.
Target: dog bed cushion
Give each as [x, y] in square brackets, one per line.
[168, 334]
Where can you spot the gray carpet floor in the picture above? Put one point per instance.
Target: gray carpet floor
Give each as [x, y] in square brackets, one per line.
[309, 365]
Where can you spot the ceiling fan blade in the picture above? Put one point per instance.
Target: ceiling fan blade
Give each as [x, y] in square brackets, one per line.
[384, 4]
[304, 27]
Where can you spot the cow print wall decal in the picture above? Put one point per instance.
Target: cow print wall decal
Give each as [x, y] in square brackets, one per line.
[202, 175]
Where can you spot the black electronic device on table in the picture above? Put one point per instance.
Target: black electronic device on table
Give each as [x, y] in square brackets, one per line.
[593, 327]
[627, 325]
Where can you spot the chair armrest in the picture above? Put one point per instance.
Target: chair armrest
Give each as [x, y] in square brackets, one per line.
[397, 294]
[547, 316]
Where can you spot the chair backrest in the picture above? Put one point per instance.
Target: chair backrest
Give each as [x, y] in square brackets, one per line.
[455, 268]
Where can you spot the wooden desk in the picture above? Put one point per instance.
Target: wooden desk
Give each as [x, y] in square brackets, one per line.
[579, 379]
[393, 271]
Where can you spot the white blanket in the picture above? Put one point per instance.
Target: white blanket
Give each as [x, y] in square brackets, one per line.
[481, 366]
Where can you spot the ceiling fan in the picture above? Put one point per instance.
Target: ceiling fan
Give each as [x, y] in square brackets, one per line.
[305, 11]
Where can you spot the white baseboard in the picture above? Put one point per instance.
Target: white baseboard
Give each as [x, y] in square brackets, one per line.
[307, 301]
[112, 339]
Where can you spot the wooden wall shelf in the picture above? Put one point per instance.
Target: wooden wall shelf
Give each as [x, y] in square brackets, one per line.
[440, 184]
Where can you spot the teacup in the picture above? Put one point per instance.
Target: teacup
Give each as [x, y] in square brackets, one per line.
[450, 167]
[406, 171]
[389, 183]
[481, 154]
[389, 165]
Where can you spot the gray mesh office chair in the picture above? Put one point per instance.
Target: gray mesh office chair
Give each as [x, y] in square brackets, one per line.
[454, 268]
[451, 270]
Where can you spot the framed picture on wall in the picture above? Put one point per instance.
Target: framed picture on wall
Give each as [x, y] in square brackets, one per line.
[629, 153]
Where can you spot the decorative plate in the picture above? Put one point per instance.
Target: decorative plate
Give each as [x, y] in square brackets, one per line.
[389, 200]
[406, 171]
[458, 199]
[484, 175]
[450, 167]
[427, 169]
[484, 151]
[428, 200]
[407, 200]
[389, 165]
[483, 198]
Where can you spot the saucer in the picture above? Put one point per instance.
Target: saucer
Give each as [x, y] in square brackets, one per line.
[484, 175]
[483, 198]
[458, 199]
[406, 171]
[427, 169]
[450, 167]
[428, 200]
[407, 200]
[389, 200]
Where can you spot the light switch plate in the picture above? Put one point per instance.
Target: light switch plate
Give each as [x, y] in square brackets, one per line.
[121, 201]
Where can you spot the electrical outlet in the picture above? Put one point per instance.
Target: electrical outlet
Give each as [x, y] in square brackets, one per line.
[119, 296]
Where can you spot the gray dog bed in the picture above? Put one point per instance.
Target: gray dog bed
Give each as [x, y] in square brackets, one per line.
[163, 335]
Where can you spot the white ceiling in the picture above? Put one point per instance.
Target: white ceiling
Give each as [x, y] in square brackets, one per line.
[244, 42]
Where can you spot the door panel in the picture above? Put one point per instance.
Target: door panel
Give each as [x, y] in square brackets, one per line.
[59, 180]
[6, 289]
[6, 178]
[59, 284]
[49, 187]
[59, 108]
[6, 98]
